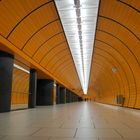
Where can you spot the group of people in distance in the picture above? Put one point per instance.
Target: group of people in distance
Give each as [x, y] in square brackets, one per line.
[87, 99]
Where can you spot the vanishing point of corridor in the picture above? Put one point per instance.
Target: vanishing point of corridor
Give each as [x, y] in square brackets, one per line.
[74, 121]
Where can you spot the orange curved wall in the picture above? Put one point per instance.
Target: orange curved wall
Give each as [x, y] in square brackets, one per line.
[20, 89]
[117, 44]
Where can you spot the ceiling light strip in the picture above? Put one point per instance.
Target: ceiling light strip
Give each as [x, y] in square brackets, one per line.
[21, 68]
[79, 18]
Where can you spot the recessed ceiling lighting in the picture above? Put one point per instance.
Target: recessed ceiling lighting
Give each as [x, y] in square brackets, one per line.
[79, 18]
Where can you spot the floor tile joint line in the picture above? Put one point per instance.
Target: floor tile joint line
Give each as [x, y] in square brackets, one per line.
[35, 131]
[119, 134]
[75, 133]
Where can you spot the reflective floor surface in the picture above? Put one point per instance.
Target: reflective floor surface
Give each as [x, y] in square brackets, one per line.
[73, 121]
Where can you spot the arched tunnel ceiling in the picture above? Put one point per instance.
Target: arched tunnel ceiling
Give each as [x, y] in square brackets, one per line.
[32, 29]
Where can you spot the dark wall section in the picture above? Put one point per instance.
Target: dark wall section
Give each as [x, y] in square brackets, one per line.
[44, 92]
[6, 70]
[68, 96]
[32, 89]
[62, 95]
[80, 99]
[57, 94]
[74, 97]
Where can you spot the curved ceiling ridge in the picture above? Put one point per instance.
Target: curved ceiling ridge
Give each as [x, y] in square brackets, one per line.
[27, 16]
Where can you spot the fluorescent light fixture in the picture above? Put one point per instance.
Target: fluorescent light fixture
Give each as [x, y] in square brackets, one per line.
[79, 18]
[114, 69]
[21, 68]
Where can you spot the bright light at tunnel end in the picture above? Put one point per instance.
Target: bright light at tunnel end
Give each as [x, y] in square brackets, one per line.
[79, 18]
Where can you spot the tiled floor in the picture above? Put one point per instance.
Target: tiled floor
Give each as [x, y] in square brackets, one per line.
[74, 121]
